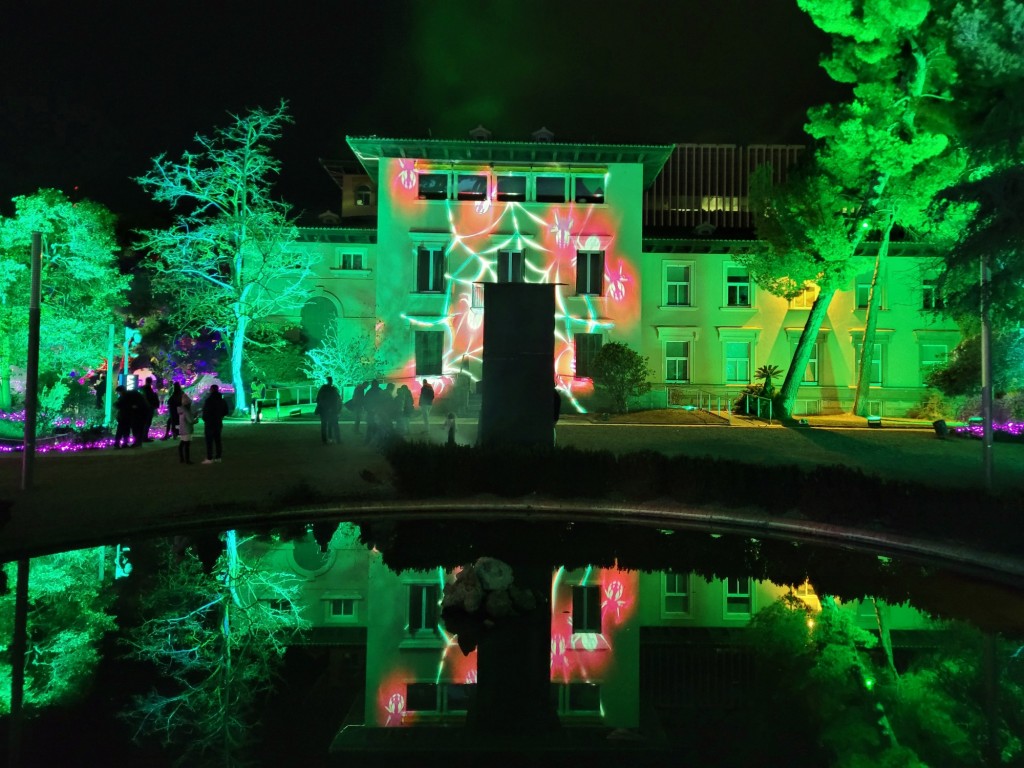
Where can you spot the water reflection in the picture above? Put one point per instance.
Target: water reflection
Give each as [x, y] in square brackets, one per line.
[608, 643]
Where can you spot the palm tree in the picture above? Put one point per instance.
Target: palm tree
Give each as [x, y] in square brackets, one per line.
[767, 373]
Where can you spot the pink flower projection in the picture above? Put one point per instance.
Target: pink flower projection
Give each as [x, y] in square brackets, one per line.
[550, 235]
[586, 655]
[407, 176]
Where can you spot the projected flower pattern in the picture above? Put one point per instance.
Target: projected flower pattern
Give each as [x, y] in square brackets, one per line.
[575, 657]
[549, 235]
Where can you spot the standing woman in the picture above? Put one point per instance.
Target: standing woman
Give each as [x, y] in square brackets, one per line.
[173, 404]
[186, 426]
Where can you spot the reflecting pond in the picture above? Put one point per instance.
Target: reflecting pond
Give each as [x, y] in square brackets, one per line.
[432, 641]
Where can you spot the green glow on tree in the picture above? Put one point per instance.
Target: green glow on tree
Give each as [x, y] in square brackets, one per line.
[890, 146]
[620, 372]
[68, 616]
[227, 259]
[83, 290]
[218, 639]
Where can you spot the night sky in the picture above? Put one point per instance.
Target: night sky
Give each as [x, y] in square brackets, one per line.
[91, 91]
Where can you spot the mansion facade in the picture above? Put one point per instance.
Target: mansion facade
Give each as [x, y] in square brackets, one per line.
[644, 245]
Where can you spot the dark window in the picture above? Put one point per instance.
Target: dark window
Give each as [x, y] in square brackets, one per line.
[511, 189]
[511, 266]
[590, 272]
[421, 697]
[459, 696]
[472, 186]
[429, 347]
[423, 608]
[930, 294]
[430, 269]
[433, 186]
[587, 347]
[584, 697]
[737, 287]
[550, 189]
[589, 189]
[363, 195]
[586, 609]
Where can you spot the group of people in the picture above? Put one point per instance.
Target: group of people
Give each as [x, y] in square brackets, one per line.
[136, 408]
[386, 410]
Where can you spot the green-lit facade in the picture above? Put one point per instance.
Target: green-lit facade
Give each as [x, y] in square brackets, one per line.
[644, 246]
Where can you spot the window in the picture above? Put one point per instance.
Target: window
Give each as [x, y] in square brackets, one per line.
[550, 189]
[362, 195]
[805, 590]
[576, 697]
[738, 597]
[430, 269]
[433, 186]
[677, 285]
[806, 298]
[737, 287]
[350, 260]
[586, 610]
[930, 298]
[471, 186]
[932, 356]
[511, 266]
[862, 289]
[421, 697]
[589, 189]
[675, 594]
[587, 347]
[590, 273]
[423, 609]
[342, 608]
[511, 189]
[438, 697]
[737, 362]
[677, 361]
[429, 348]
[875, 378]
[811, 371]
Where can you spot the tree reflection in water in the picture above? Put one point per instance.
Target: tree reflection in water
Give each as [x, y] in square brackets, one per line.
[824, 674]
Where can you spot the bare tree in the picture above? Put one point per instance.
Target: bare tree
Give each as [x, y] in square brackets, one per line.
[227, 259]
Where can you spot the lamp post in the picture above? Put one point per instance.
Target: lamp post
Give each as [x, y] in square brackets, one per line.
[986, 376]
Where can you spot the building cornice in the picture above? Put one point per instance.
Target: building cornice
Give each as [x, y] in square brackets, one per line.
[371, 150]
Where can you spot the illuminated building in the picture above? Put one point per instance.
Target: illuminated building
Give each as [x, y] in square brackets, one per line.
[624, 645]
[643, 242]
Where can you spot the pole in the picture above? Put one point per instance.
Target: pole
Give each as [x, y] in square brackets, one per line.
[108, 405]
[986, 377]
[32, 371]
[19, 644]
[19, 641]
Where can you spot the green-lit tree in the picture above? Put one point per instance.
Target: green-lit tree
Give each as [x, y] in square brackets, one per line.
[620, 372]
[82, 288]
[889, 147]
[70, 598]
[807, 235]
[349, 360]
[227, 258]
[217, 638]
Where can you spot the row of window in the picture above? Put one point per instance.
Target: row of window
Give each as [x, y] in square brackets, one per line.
[510, 187]
[678, 358]
[454, 698]
[677, 596]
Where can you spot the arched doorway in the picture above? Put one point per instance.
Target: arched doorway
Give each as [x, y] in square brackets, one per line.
[319, 320]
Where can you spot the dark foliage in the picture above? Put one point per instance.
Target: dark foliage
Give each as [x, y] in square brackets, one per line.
[837, 495]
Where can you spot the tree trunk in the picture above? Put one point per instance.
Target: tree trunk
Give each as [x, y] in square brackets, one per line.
[5, 372]
[237, 357]
[802, 354]
[860, 400]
